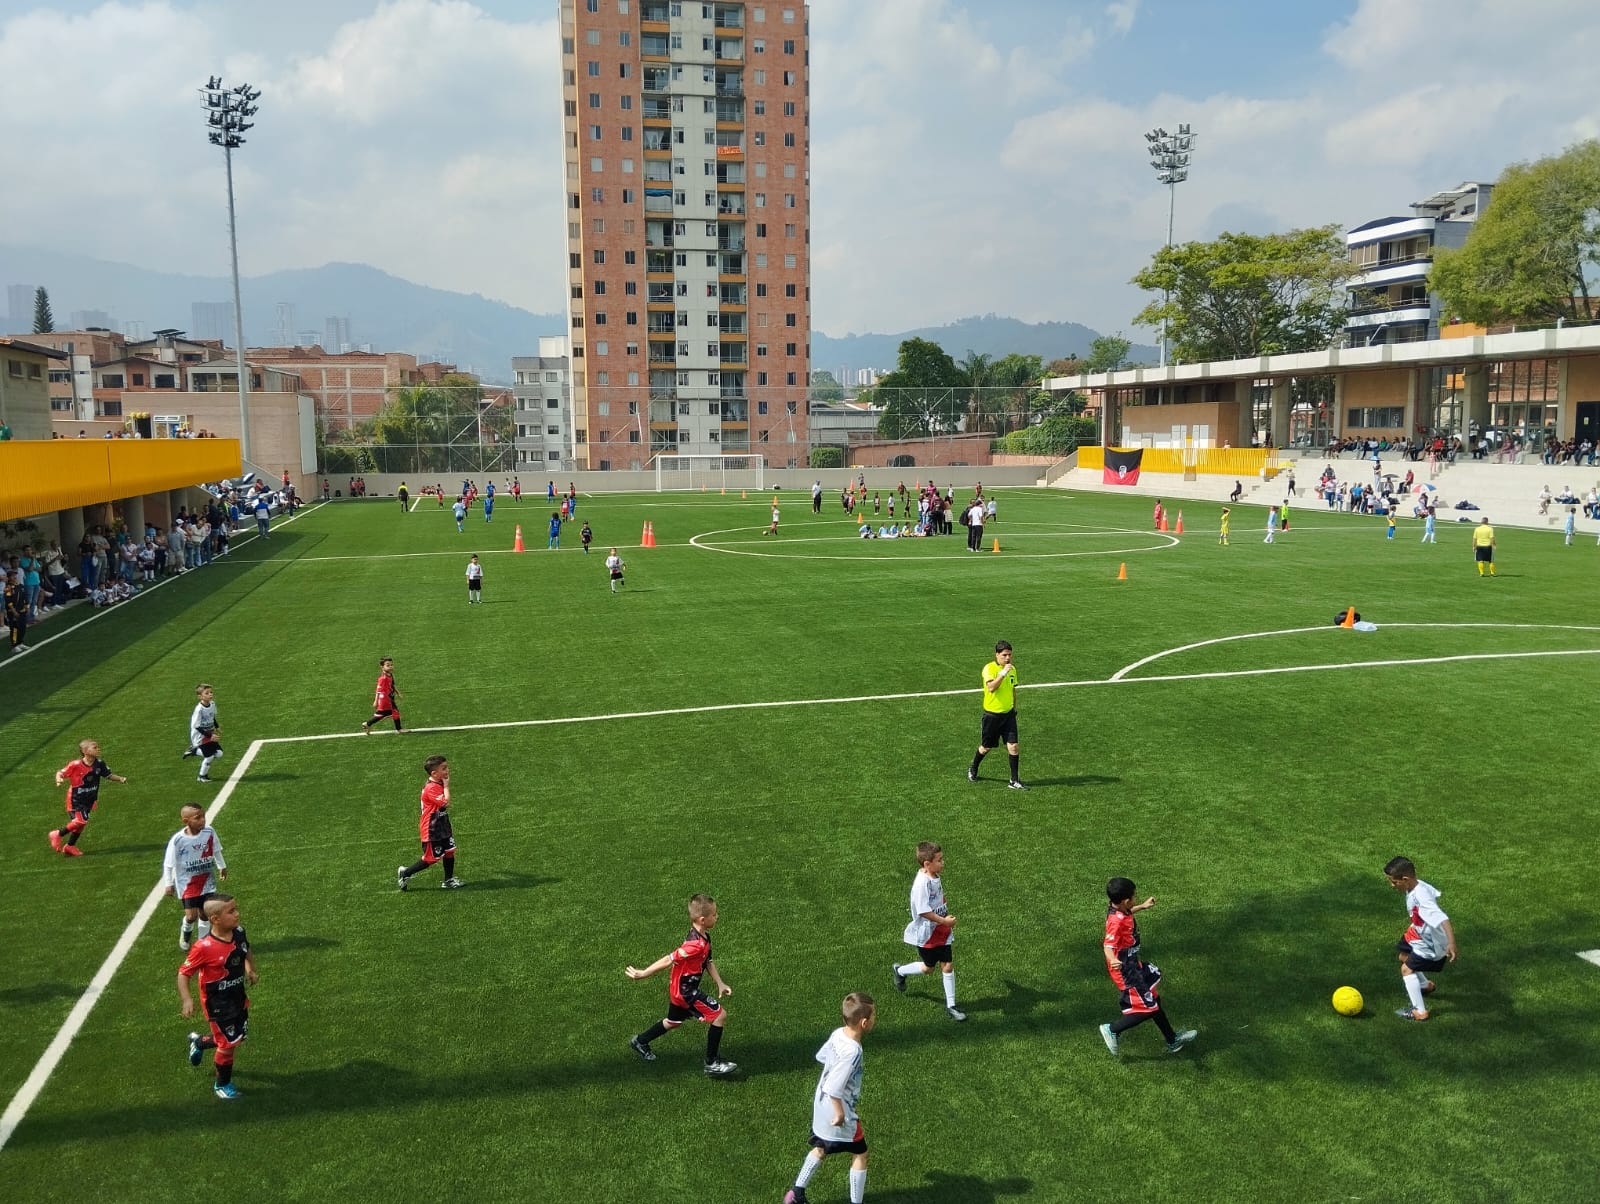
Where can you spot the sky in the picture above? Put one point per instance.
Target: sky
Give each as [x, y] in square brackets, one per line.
[968, 156]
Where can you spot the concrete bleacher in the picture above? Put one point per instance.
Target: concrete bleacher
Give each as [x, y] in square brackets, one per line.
[1507, 493]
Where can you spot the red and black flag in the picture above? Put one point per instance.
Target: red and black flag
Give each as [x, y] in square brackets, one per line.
[1122, 465]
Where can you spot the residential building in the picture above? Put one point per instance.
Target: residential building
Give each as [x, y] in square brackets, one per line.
[1390, 301]
[349, 387]
[72, 381]
[543, 391]
[25, 371]
[337, 336]
[687, 168]
[19, 306]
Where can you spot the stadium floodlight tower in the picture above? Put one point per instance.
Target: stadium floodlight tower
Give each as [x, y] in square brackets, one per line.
[228, 113]
[1169, 155]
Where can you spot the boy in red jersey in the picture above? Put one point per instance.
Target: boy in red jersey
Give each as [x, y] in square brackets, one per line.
[684, 1000]
[223, 962]
[438, 838]
[1135, 978]
[82, 779]
[386, 698]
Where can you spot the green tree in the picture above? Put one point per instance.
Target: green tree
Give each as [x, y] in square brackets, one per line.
[1249, 294]
[43, 320]
[1055, 436]
[825, 387]
[1531, 253]
[1107, 353]
[827, 457]
[924, 395]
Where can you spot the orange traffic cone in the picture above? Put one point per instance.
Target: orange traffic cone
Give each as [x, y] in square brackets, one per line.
[1122, 573]
[650, 534]
[996, 547]
[516, 544]
[1180, 523]
[1161, 523]
[644, 536]
[744, 495]
[724, 491]
[1349, 618]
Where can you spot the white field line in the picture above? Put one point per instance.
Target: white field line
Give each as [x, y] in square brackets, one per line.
[52, 1056]
[1172, 541]
[145, 593]
[1591, 955]
[57, 1049]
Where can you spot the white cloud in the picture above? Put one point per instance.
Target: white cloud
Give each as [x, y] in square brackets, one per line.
[1121, 15]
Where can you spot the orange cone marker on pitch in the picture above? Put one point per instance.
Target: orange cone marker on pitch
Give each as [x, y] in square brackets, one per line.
[724, 491]
[1349, 618]
[996, 547]
[743, 495]
[1162, 525]
[1179, 530]
[1122, 573]
[650, 534]
[516, 544]
[644, 535]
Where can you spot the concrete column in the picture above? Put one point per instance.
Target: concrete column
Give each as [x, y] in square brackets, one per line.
[72, 529]
[1336, 426]
[156, 512]
[1279, 433]
[1566, 422]
[1475, 384]
[174, 503]
[1246, 428]
[133, 516]
[1412, 417]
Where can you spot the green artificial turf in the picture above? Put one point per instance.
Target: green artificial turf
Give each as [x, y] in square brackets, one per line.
[473, 1044]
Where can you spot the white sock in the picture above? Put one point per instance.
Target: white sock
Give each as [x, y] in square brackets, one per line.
[949, 992]
[808, 1167]
[205, 765]
[858, 1186]
[910, 968]
[1414, 990]
[185, 931]
[205, 927]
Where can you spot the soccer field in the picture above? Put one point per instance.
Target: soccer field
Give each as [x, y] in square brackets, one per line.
[777, 721]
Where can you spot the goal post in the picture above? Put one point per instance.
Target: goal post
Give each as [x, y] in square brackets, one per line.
[708, 472]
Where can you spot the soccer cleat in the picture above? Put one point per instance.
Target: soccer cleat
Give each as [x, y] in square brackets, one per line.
[795, 1195]
[55, 840]
[189, 753]
[955, 1013]
[451, 884]
[400, 877]
[195, 1052]
[1110, 1038]
[203, 778]
[1409, 1014]
[1014, 784]
[972, 774]
[227, 1091]
[720, 1069]
[72, 850]
[1182, 1039]
[899, 979]
[183, 944]
[640, 1048]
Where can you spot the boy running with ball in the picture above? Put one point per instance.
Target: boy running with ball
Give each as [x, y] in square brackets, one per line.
[1134, 977]
[1429, 943]
[835, 1126]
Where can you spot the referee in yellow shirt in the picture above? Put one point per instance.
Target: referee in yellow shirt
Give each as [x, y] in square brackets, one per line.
[1483, 546]
[999, 712]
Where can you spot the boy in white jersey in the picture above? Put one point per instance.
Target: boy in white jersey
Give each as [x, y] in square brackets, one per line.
[191, 868]
[932, 927]
[614, 568]
[204, 730]
[474, 581]
[1429, 942]
[835, 1125]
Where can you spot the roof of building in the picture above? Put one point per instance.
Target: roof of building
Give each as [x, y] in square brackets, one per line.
[33, 348]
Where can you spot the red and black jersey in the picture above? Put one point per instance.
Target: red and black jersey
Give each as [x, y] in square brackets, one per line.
[689, 961]
[386, 694]
[1122, 938]
[433, 805]
[83, 783]
[220, 967]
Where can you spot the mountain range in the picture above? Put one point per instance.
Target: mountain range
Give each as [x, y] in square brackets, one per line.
[392, 314]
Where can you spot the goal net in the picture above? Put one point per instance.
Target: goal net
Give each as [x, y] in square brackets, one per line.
[710, 472]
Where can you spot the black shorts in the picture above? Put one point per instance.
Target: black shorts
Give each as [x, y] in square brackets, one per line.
[208, 747]
[196, 902]
[1485, 554]
[229, 1029]
[474, 584]
[858, 1146]
[936, 955]
[695, 1006]
[82, 810]
[998, 729]
[1426, 964]
[441, 840]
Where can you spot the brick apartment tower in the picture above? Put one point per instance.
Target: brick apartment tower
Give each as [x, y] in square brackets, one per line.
[687, 156]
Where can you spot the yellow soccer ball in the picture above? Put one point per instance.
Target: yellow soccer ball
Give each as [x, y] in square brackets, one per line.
[1347, 1001]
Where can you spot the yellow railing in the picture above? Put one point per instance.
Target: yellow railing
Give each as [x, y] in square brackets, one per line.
[38, 476]
[1208, 461]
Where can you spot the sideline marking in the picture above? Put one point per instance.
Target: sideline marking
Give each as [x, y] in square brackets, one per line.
[57, 1049]
[1591, 955]
[145, 593]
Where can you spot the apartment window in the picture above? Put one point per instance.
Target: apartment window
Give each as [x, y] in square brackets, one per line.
[626, 102]
[789, 261]
[761, 379]
[789, 348]
[627, 167]
[633, 406]
[625, 38]
[599, 255]
[633, 436]
[761, 259]
[111, 380]
[600, 318]
[594, 69]
[630, 257]
[592, 5]
[761, 406]
[758, 45]
[675, 41]
[788, 108]
[570, 78]
[569, 107]
[630, 288]
[788, 16]
[599, 226]
[758, 15]
[594, 100]
[683, 379]
[788, 78]
[788, 200]
[789, 320]
[761, 229]
[758, 77]
[600, 378]
[622, 10]
[138, 379]
[789, 406]
[164, 380]
[761, 171]
[552, 403]
[788, 230]
[760, 108]
[633, 349]
[713, 350]
[683, 317]
[788, 289]
[626, 69]
[759, 138]
[602, 348]
[791, 381]
[597, 194]
[761, 289]
[761, 200]
[552, 377]
[566, 46]
[594, 133]
[603, 409]
[761, 350]
[632, 319]
[627, 199]
[788, 45]
[593, 37]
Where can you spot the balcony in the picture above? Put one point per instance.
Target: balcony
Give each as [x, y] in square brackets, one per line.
[732, 241]
[663, 353]
[731, 203]
[654, 12]
[658, 261]
[729, 17]
[735, 294]
[731, 323]
[658, 200]
[661, 294]
[662, 324]
[730, 50]
[730, 112]
[732, 265]
[735, 353]
[657, 110]
[730, 83]
[729, 173]
[736, 411]
[1380, 303]
[653, 44]
[657, 172]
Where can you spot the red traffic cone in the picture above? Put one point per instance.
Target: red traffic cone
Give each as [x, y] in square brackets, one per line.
[516, 544]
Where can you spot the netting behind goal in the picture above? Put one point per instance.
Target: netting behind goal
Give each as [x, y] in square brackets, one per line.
[710, 472]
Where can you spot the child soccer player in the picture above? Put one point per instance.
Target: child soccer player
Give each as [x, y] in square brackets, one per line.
[82, 779]
[204, 730]
[773, 530]
[587, 536]
[1222, 531]
[932, 927]
[438, 837]
[1571, 524]
[1272, 524]
[459, 510]
[614, 567]
[1390, 535]
[386, 697]
[222, 960]
[1428, 535]
[191, 868]
[474, 580]
[1429, 941]
[1135, 978]
[835, 1126]
[555, 531]
[685, 1001]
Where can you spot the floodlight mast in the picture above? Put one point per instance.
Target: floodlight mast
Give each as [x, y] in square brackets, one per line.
[1169, 155]
[227, 114]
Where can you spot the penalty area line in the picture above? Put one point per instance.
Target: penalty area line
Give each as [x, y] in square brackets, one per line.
[79, 1015]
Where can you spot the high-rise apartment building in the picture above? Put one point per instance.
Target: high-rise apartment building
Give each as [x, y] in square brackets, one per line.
[687, 164]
